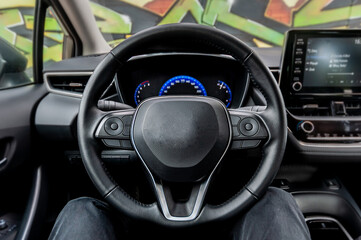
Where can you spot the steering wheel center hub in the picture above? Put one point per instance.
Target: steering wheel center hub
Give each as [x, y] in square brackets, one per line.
[181, 138]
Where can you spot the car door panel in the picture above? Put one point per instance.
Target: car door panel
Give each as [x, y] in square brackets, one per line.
[16, 116]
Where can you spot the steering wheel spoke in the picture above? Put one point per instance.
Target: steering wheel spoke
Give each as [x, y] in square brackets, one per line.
[114, 129]
[181, 201]
[248, 129]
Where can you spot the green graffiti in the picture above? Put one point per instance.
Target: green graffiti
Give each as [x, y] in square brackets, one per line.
[219, 10]
[355, 12]
[108, 21]
[54, 53]
[26, 46]
[212, 12]
[10, 17]
[313, 14]
[113, 22]
[58, 37]
[53, 31]
[17, 4]
[180, 10]
[51, 24]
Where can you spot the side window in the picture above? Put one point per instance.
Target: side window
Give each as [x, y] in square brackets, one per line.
[54, 35]
[16, 34]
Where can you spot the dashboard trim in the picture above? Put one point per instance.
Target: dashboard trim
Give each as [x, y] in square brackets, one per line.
[323, 145]
[329, 94]
[248, 80]
[117, 88]
[180, 54]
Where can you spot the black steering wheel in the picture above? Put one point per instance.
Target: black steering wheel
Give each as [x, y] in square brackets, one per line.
[183, 139]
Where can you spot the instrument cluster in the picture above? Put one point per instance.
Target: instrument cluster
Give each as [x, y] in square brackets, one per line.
[184, 85]
[199, 75]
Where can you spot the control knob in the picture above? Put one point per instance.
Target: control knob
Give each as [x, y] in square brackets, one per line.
[297, 86]
[307, 127]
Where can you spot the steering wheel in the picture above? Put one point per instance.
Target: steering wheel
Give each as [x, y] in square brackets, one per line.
[182, 139]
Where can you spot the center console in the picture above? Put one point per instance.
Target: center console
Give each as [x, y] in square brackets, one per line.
[321, 84]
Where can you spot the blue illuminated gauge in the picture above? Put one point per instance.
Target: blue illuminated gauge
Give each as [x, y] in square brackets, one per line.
[223, 92]
[182, 85]
[142, 92]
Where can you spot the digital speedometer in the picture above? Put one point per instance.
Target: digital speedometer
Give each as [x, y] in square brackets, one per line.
[183, 85]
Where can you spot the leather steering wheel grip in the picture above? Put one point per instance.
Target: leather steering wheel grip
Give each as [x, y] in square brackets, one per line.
[168, 37]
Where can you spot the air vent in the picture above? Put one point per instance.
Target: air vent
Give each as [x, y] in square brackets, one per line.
[351, 108]
[67, 83]
[312, 109]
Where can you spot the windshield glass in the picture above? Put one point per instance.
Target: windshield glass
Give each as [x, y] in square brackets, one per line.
[259, 23]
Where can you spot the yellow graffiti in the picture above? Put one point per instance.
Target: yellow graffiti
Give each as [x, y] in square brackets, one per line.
[9, 18]
[138, 3]
[261, 44]
[219, 10]
[290, 3]
[313, 14]
[25, 45]
[54, 53]
[112, 22]
[17, 4]
[58, 37]
[211, 12]
[180, 10]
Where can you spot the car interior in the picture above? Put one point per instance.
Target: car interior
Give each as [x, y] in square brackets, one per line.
[180, 114]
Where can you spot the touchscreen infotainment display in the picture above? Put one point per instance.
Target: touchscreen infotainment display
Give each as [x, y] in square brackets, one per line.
[322, 62]
[332, 62]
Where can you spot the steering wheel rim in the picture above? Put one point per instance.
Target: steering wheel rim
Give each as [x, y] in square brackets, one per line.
[274, 118]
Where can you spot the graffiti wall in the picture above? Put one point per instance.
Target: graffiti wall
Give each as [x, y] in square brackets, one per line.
[260, 23]
[16, 27]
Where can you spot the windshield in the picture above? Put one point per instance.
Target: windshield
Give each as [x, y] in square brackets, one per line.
[259, 23]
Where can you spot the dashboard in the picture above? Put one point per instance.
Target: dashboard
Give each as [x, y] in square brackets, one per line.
[217, 76]
[321, 85]
[324, 123]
